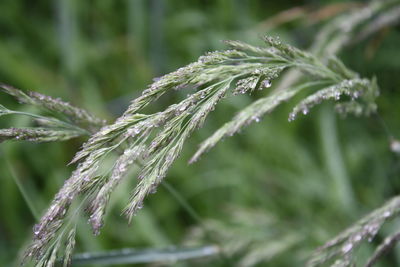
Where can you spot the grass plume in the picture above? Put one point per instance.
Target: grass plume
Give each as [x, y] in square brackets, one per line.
[156, 140]
[48, 128]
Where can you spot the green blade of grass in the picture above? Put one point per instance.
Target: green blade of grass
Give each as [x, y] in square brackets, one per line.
[133, 256]
[29, 202]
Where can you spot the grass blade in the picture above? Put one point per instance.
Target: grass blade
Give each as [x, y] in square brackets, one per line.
[133, 256]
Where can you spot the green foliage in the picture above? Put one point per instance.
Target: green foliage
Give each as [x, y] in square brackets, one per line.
[281, 171]
[248, 235]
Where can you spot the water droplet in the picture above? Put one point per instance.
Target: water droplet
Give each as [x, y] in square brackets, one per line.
[387, 214]
[36, 229]
[357, 238]
[395, 146]
[292, 117]
[305, 111]
[347, 247]
[267, 83]
[122, 168]
[133, 131]
[256, 119]
[153, 190]
[63, 212]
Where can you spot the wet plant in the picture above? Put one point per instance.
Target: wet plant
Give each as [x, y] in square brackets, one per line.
[154, 141]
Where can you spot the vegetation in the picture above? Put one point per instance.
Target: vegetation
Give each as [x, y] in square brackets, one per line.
[259, 226]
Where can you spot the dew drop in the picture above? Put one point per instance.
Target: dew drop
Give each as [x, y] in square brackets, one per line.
[356, 94]
[292, 117]
[133, 131]
[305, 111]
[347, 248]
[337, 95]
[267, 83]
[153, 190]
[387, 214]
[395, 146]
[63, 212]
[96, 232]
[36, 229]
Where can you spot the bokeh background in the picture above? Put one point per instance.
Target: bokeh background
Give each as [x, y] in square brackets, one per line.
[270, 195]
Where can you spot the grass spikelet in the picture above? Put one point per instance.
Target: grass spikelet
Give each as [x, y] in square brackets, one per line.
[341, 248]
[352, 88]
[69, 247]
[38, 134]
[53, 104]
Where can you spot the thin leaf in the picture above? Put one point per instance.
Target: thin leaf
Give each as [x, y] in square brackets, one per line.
[131, 256]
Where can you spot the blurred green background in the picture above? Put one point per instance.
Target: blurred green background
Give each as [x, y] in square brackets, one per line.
[274, 192]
